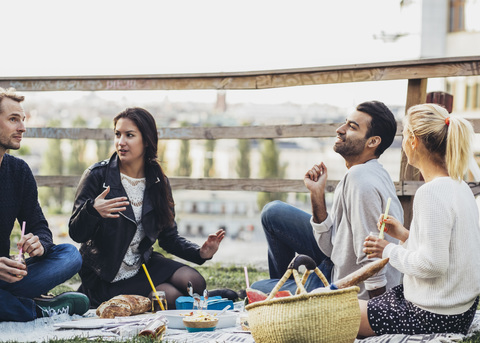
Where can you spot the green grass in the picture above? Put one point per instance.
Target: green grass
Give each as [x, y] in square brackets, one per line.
[233, 277]
[474, 339]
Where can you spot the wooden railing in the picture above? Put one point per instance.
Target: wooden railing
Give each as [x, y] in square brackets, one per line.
[416, 72]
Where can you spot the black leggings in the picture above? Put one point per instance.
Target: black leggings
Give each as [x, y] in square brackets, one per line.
[167, 275]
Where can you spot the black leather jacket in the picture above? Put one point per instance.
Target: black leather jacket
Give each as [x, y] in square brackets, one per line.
[106, 240]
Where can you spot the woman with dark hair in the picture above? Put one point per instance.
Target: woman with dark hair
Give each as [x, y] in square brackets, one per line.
[122, 206]
[439, 254]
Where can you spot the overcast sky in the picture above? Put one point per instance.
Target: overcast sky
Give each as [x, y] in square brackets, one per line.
[103, 37]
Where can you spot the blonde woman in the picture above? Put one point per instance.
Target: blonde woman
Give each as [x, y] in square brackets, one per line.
[439, 254]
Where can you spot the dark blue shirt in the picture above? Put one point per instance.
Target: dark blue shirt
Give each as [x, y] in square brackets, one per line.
[19, 201]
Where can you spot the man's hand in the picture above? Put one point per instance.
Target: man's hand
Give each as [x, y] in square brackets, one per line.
[109, 208]
[210, 247]
[316, 178]
[11, 271]
[31, 245]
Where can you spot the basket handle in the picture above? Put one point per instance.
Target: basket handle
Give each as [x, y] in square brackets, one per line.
[298, 261]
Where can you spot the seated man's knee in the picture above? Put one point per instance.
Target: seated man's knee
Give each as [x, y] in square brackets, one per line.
[272, 209]
[272, 212]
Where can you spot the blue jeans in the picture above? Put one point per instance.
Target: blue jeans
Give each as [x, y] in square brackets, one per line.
[288, 232]
[44, 273]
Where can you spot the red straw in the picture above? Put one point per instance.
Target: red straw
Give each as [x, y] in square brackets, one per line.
[23, 233]
[246, 277]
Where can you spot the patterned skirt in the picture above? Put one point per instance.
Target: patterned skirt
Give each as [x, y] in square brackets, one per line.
[391, 313]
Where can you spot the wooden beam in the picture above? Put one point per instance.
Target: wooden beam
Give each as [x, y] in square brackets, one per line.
[217, 184]
[399, 70]
[219, 132]
[214, 184]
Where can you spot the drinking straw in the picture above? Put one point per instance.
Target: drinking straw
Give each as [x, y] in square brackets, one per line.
[246, 276]
[153, 287]
[23, 233]
[385, 216]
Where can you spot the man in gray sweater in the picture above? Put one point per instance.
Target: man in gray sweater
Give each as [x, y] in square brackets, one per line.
[335, 239]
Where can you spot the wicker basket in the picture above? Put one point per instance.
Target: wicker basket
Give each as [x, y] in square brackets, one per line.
[332, 316]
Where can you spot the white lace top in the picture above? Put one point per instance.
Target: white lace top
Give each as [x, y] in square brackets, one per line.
[131, 263]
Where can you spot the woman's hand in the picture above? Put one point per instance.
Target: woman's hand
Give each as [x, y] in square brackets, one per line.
[210, 247]
[31, 245]
[110, 208]
[393, 227]
[374, 246]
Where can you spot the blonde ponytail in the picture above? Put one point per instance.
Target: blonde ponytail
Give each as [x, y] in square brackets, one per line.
[447, 139]
[459, 147]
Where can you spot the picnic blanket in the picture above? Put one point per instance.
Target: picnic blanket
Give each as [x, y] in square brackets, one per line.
[45, 329]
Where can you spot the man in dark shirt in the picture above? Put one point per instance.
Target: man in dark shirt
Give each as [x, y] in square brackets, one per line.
[48, 265]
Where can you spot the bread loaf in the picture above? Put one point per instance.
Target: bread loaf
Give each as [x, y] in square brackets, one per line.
[106, 310]
[362, 274]
[123, 305]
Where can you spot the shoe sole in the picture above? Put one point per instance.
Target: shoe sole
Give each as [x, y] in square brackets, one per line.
[77, 303]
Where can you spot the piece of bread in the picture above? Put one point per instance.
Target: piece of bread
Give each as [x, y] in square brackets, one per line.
[106, 310]
[138, 303]
[123, 305]
[362, 274]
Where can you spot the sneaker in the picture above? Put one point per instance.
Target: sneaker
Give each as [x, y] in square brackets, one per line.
[66, 303]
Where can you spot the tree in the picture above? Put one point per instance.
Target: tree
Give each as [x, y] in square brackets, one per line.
[104, 147]
[243, 162]
[53, 164]
[185, 163]
[77, 163]
[270, 168]
[208, 165]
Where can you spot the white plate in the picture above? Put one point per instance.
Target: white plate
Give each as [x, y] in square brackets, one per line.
[175, 319]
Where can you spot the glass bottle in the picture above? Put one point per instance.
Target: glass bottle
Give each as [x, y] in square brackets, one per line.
[155, 305]
[20, 258]
[155, 329]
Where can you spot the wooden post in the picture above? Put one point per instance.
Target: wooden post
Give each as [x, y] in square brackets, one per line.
[416, 94]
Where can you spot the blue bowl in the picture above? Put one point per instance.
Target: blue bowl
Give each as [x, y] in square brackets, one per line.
[200, 329]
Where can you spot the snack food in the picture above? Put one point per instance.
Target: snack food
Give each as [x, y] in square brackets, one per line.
[199, 320]
[123, 305]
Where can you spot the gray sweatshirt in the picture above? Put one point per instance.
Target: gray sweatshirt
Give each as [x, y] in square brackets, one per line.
[359, 199]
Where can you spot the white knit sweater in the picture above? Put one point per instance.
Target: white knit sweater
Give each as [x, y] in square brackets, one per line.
[441, 258]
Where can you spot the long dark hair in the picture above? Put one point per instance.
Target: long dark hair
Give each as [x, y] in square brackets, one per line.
[162, 195]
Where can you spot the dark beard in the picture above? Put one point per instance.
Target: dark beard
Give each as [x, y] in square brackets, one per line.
[350, 148]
